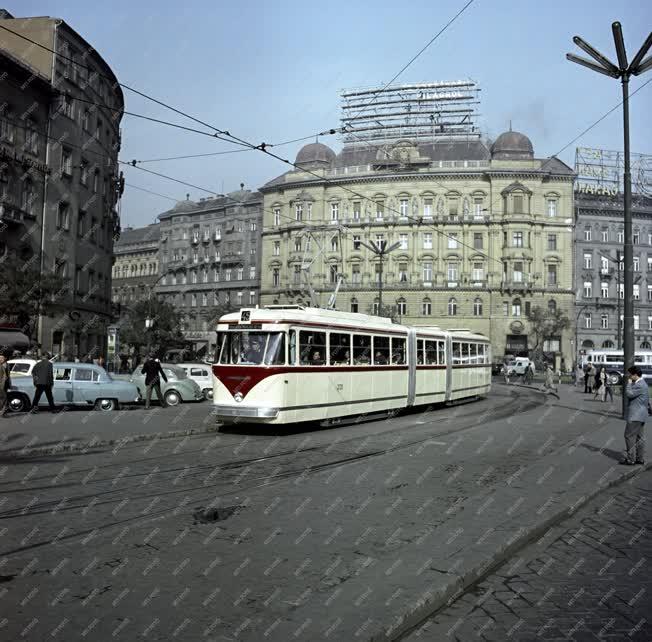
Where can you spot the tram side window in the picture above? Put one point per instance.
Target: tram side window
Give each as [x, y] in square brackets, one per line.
[419, 351]
[431, 353]
[361, 349]
[340, 349]
[293, 348]
[457, 354]
[312, 348]
[381, 351]
[473, 353]
[398, 351]
[441, 353]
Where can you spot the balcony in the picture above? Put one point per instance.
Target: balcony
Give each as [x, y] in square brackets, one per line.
[516, 286]
[232, 257]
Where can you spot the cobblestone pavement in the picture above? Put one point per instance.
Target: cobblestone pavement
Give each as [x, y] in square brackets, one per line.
[587, 579]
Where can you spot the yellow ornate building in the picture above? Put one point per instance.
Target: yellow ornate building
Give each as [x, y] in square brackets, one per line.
[474, 236]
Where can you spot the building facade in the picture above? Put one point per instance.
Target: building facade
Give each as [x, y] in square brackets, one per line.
[479, 236]
[209, 260]
[78, 131]
[135, 271]
[599, 269]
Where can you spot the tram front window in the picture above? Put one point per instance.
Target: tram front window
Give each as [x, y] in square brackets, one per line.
[253, 348]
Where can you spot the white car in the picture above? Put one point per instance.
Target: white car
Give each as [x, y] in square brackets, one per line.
[202, 374]
[21, 367]
[519, 366]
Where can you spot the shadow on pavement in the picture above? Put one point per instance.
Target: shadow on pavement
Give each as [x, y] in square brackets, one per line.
[607, 452]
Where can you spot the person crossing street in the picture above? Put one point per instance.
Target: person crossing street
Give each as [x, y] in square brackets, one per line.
[153, 373]
[43, 378]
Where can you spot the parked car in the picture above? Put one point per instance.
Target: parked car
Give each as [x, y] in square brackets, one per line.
[202, 374]
[519, 366]
[178, 387]
[497, 368]
[21, 367]
[75, 384]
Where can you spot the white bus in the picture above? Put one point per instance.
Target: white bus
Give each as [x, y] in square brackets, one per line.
[614, 362]
[284, 364]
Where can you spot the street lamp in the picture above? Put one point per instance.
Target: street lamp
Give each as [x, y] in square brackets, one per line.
[622, 71]
[381, 250]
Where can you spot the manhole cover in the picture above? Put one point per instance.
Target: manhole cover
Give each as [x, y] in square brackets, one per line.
[210, 515]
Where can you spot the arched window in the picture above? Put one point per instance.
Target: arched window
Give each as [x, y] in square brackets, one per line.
[645, 345]
[587, 344]
[452, 307]
[552, 306]
[516, 308]
[354, 304]
[477, 307]
[610, 344]
[401, 307]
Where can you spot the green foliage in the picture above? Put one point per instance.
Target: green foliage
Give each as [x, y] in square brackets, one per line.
[546, 323]
[165, 332]
[25, 294]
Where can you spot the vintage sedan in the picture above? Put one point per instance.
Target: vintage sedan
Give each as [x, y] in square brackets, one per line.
[201, 373]
[179, 386]
[75, 384]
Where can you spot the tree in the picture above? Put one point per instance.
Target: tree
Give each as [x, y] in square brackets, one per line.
[25, 294]
[165, 331]
[546, 323]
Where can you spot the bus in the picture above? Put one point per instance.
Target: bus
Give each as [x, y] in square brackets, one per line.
[614, 363]
[287, 364]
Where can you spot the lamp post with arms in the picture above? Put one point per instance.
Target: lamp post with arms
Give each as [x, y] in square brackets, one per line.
[623, 71]
[381, 250]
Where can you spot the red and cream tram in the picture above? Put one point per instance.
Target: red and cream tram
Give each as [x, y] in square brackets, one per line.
[284, 364]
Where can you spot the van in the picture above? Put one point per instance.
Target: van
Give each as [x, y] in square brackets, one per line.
[519, 366]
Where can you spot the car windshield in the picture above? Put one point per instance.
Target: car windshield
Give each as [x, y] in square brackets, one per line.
[252, 348]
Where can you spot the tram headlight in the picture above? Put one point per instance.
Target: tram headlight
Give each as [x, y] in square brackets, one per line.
[238, 396]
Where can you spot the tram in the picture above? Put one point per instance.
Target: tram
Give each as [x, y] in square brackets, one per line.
[286, 364]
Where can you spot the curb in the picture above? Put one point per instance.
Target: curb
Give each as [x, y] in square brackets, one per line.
[84, 447]
[458, 586]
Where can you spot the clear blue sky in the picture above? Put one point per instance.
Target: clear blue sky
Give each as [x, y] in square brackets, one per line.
[272, 71]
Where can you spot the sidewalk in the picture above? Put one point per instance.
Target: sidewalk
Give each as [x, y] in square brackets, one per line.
[362, 550]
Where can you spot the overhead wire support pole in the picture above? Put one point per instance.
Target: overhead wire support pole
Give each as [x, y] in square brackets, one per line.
[623, 71]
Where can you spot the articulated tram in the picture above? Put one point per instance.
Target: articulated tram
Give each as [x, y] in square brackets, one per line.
[285, 364]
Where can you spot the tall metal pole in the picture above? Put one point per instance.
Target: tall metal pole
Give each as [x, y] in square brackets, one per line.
[619, 336]
[629, 249]
[380, 283]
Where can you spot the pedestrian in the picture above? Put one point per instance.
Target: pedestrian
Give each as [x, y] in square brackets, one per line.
[600, 378]
[638, 404]
[549, 384]
[43, 378]
[587, 377]
[5, 384]
[153, 373]
[608, 390]
[506, 372]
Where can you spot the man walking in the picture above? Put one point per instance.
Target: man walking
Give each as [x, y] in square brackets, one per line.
[5, 384]
[153, 373]
[43, 378]
[637, 412]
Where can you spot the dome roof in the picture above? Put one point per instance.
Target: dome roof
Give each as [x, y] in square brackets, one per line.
[512, 146]
[315, 155]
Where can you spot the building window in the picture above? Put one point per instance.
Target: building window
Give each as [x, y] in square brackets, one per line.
[518, 203]
[426, 307]
[452, 307]
[277, 248]
[477, 208]
[604, 265]
[31, 137]
[427, 208]
[649, 293]
[636, 238]
[587, 234]
[333, 272]
[588, 260]
[355, 273]
[452, 241]
[452, 208]
[588, 289]
[516, 308]
[552, 207]
[227, 274]
[649, 325]
[604, 236]
[335, 211]
[68, 106]
[552, 242]
[477, 308]
[403, 207]
[477, 273]
[621, 291]
[518, 272]
[517, 239]
[28, 196]
[354, 305]
[356, 210]
[277, 217]
[239, 298]
[637, 292]
[276, 278]
[587, 320]
[296, 275]
[636, 264]
[604, 321]
[427, 241]
[252, 271]
[477, 240]
[505, 308]
[403, 241]
[403, 272]
[380, 209]
[356, 242]
[66, 162]
[552, 275]
[298, 212]
[604, 290]
[334, 244]
[452, 272]
[401, 307]
[621, 236]
[427, 272]
[193, 300]
[252, 297]
[7, 127]
[636, 322]
[204, 299]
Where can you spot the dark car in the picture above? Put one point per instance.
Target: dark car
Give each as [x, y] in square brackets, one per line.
[497, 368]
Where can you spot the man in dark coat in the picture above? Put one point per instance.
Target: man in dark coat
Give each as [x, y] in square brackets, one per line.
[43, 378]
[153, 372]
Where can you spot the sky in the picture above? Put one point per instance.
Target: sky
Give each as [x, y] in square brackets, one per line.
[273, 72]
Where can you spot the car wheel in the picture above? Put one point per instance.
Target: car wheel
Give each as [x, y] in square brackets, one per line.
[172, 398]
[106, 405]
[614, 378]
[17, 403]
[208, 393]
